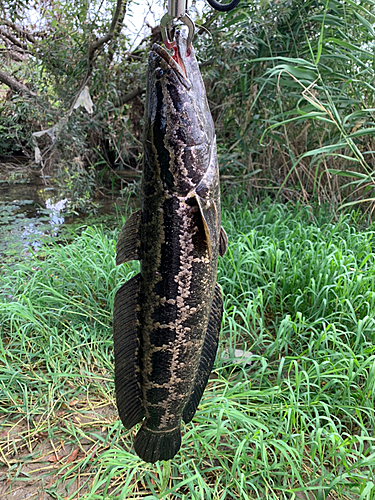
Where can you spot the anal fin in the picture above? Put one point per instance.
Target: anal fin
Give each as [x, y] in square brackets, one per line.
[129, 242]
[126, 341]
[208, 355]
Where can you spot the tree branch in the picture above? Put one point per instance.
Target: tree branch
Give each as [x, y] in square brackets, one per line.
[11, 55]
[120, 9]
[116, 33]
[11, 48]
[128, 97]
[19, 30]
[94, 46]
[14, 85]
[12, 39]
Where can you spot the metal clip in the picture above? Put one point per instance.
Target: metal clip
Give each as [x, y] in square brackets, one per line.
[176, 10]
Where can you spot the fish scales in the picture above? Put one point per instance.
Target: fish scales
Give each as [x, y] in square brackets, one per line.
[167, 319]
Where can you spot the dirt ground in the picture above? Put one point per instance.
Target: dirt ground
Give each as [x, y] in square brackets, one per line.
[42, 465]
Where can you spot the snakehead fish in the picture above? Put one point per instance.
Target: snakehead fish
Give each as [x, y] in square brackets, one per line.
[167, 319]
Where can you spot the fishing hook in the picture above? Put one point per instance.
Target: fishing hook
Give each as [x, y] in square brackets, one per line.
[177, 10]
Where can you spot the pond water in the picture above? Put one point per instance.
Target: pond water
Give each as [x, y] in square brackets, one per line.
[30, 215]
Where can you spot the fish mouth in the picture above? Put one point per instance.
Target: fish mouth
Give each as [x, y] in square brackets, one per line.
[174, 62]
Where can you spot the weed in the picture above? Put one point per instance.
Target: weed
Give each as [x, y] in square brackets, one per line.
[297, 423]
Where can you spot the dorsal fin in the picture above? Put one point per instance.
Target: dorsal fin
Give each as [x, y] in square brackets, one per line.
[126, 340]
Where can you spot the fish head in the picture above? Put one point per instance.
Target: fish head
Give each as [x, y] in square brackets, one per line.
[179, 131]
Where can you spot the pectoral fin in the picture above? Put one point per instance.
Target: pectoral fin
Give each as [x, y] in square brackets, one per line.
[126, 339]
[208, 355]
[129, 242]
[209, 218]
[223, 241]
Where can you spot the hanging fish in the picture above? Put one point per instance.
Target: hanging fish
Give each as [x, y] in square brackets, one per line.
[166, 320]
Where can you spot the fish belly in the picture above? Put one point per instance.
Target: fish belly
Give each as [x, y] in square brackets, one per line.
[176, 296]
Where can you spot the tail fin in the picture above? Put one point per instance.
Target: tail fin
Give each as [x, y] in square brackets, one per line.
[159, 445]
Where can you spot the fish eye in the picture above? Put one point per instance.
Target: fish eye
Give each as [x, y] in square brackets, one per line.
[159, 73]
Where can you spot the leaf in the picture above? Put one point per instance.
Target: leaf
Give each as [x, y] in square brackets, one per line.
[348, 173]
[356, 202]
[298, 73]
[361, 132]
[72, 456]
[321, 37]
[290, 60]
[357, 6]
[328, 19]
[367, 491]
[358, 114]
[324, 149]
[350, 46]
[53, 458]
[365, 23]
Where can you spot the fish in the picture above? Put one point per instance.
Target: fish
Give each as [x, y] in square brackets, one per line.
[167, 318]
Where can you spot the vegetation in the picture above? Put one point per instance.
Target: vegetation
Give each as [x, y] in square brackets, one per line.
[297, 423]
[54, 69]
[301, 73]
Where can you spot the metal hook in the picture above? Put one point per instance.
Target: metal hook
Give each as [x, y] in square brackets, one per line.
[176, 10]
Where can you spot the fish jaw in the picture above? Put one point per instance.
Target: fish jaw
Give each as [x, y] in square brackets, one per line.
[178, 129]
[189, 63]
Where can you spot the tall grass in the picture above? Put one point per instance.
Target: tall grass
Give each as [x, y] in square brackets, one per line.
[298, 423]
[304, 82]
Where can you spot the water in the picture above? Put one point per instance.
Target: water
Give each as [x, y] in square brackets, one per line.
[31, 216]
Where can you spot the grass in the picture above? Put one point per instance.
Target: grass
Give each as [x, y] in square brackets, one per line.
[296, 424]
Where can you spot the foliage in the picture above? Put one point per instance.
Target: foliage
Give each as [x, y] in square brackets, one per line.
[303, 81]
[18, 120]
[298, 423]
[56, 60]
[10, 131]
[15, 9]
[301, 73]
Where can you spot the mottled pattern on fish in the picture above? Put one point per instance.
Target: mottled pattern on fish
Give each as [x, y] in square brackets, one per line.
[167, 319]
